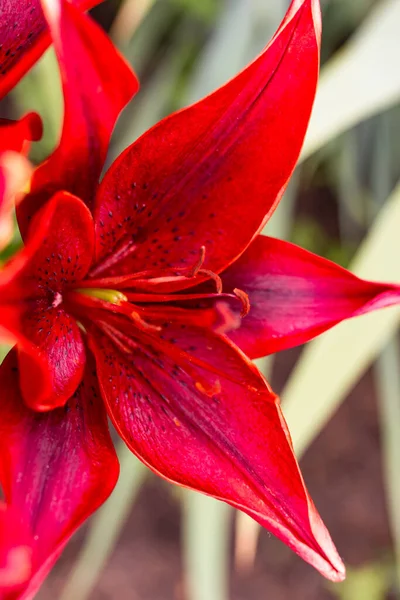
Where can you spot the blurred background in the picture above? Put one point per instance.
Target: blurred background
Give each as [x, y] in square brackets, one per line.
[341, 394]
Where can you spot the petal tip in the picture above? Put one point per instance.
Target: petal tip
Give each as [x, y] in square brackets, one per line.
[51, 9]
[317, 19]
[337, 573]
[332, 567]
[36, 126]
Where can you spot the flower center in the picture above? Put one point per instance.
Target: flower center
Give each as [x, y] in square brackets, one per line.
[151, 298]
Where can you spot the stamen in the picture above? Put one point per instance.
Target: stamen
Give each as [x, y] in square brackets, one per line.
[143, 324]
[146, 342]
[111, 296]
[189, 361]
[244, 299]
[152, 277]
[216, 278]
[196, 268]
[125, 344]
[125, 250]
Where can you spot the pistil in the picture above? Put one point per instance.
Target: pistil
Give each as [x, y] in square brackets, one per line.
[111, 296]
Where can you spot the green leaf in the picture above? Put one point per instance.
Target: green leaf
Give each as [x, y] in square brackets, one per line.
[360, 80]
[4, 350]
[387, 376]
[206, 526]
[40, 90]
[225, 53]
[365, 583]
[105, 528]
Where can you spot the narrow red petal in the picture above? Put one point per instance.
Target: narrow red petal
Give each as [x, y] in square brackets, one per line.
[213, 173]
[296, 295]
[97, 84]
[16, 135]
[216, 428]
[23, 38]
[15, 551]
[56, 468]
[58, 253]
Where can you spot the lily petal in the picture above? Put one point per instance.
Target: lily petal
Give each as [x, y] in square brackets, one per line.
[295, 295]
[59, 249]
[212, 174]
[15, 550]
[59, 252]
[97, 84]
[58, 339]
[56, 468]
[24, 37]
[16, 135]
[216, 428]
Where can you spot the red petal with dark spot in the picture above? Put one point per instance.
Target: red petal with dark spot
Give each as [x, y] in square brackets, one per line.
[23, 38]
[212, 174]
[56, 468]
[15, 550]
[216, 428]
[97, 84]
[58, 340]
[296, 295]
[58, 253]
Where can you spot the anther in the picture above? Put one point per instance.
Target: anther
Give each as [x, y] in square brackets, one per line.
[196, 268]
[244, 299]
[143, 324]
[216, 278]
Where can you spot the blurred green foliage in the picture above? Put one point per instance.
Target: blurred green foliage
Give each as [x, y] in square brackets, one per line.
[365, 583]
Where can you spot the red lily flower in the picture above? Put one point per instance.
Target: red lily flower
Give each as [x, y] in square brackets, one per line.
[24, 37]
[128, 308]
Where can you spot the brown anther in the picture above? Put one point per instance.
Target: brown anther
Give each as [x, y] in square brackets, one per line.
[147, 326]
[197, 270]
[244, 299]
[207, 388]
[216, 278]
[200, 262]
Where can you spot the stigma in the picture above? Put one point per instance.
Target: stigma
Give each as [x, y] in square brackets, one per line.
[111, 296]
